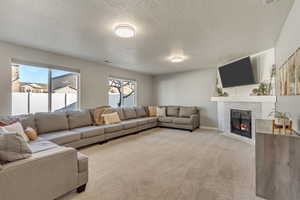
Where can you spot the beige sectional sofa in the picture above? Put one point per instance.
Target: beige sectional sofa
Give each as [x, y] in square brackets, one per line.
[56, 168]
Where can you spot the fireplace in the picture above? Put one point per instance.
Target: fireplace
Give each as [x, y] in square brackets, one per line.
[241, 122]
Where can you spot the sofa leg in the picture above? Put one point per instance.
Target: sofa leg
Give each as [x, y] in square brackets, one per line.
[81, 188]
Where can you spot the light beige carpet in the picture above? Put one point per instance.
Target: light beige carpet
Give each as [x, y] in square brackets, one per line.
[167, 164]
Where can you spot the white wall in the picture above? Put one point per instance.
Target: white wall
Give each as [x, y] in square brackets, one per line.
[194, 88]
[94, 84]
[287, 43]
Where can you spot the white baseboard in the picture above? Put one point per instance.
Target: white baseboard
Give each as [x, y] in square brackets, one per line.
[209, 128]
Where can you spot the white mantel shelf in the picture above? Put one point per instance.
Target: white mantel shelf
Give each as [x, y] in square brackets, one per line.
[259, 99]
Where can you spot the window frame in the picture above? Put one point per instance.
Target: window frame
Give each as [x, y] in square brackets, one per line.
[123, 79]
[49, 68]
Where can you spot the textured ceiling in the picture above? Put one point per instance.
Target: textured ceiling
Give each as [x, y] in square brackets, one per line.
[208, 32]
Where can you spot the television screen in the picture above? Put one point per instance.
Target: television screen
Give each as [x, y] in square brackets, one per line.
[237, 73]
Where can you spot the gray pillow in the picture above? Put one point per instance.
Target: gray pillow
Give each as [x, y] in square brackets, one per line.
[52, 121]
[79, 119]
[130, 113]
[13, 147]
[187, 111]
[140, 111]
[172, 111]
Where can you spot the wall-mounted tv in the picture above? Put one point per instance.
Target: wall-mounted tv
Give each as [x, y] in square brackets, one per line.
[237, 74]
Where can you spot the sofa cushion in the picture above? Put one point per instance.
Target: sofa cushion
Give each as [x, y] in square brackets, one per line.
[129, 113]
[50, 122]
[79, 119]
[62, 137]
[172, 111]
[187, 111]
[140, 111]
[183, 121]
[129, 124]
[120, 113]
[13, 147]
[41, 145]
[112, 128]
[83, 162]
[27, 121]
[142, 121]
[90, 131]
[152, 119]
[166, 119]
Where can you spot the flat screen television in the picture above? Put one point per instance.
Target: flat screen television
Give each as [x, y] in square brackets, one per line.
[237, 74]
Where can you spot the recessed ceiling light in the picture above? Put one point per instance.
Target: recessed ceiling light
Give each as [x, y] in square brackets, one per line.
[177, 59]
[125, 31]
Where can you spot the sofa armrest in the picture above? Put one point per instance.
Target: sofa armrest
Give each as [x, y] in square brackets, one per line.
[196, 120]
[45, 175]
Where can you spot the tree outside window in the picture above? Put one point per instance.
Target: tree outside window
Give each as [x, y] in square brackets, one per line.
[122, 93]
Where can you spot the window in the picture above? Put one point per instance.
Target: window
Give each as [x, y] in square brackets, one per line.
[41, 89]
[121, 93]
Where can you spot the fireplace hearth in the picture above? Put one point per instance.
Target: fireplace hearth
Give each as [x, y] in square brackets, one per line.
[241, 122]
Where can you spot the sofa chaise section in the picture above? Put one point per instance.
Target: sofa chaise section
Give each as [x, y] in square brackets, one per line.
[46, 175]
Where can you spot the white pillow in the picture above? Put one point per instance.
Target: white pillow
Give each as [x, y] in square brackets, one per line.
[161, 112]
[16, 128]
[111, 118]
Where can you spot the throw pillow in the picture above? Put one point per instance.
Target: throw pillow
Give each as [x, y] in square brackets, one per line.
[13, 147]
[111, 118]
[31, 133]
[98, 115]
[152, 111]
[161, 111]
[16, 128]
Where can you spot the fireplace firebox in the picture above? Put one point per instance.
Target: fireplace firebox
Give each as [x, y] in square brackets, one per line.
[241, 122]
